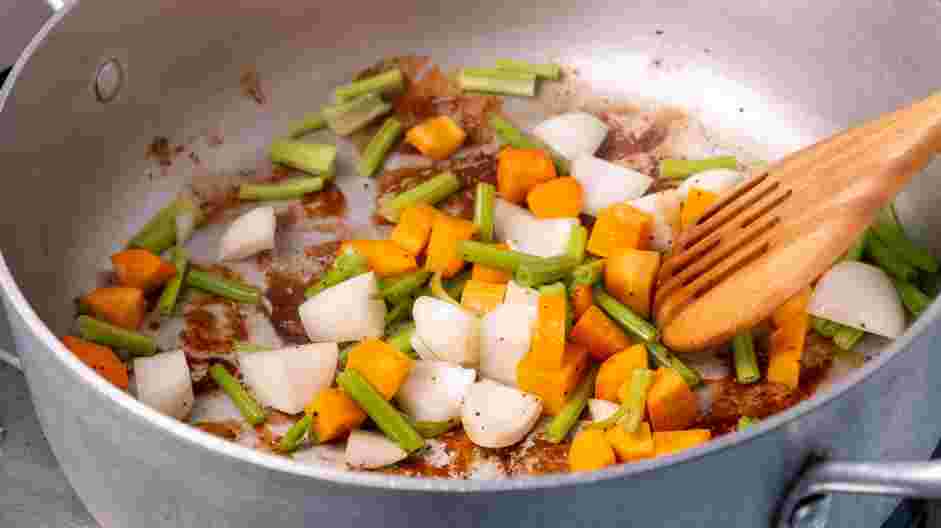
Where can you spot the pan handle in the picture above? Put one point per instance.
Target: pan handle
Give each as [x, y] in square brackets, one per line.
[807, 504]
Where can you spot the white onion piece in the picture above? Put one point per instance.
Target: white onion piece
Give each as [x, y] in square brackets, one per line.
[662, 228]
[248, 234]
[434, 390]
[288, 378]
[861, 296]
[495, 415]
[516, 294]
[714, 180]
[163, 382]
[370, 450]
[543, 237]
[450, 332]
[604, 183]
[421, 348]
[505, 335]
[710, 364]
[601, 409]
[573, 134]
[348, 311]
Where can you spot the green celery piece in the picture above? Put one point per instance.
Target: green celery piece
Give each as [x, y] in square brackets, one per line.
[385, 82]
[347, 117]
[496, 81]
[547, 71]
[312, 158]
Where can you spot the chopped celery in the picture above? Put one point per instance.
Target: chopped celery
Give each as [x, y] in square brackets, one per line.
[847, 337]
[746, 362]
[546, 71]
[914, 300]
[309, 123]
[312, 158]
[283, 190]
[379, 146]
[889, 231]
[680, 168]
[483, 210]
[431, 192]
[388, 81]
[497, 81]
[349, 116]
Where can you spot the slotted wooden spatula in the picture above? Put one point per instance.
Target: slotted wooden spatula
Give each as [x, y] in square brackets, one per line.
[781, 228]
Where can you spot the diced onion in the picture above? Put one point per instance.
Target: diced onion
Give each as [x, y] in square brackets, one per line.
[370, 450]
[287, 378]
[604, 183]
[251, 233]
[601, 409]
[450, 332]
[861, 296]
[505, 335]
[495, 415]
[573, 134]
[348, 311]
[434, 391]
[543, 237]
[662, 206]
[164, 383]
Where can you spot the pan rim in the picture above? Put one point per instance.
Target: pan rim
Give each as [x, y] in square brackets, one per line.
[137, 410]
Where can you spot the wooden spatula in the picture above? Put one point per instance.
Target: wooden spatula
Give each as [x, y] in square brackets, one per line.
[781, 228]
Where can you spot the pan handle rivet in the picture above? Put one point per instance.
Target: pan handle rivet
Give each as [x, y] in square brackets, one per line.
[109, 79]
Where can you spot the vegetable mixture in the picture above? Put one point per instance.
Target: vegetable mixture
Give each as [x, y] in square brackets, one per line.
[504, 314]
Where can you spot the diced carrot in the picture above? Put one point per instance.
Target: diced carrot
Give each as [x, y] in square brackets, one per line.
[492, 275]
[119, 305]
[383, 365]
[548, 343]
[671, 404]
[793, 307]
[669, 442]
[787, 347]
[488, 274]
[787, 342]
[629, 275]
[617, 369]
[385, 257]
[139, 268]
[553, 385]
[784, 370]
[100, 358]
[335, 414]
[446, 233]
[698, 201]
[519, 170]
[599, 334]
[481, 297]
[414, 228]
[631, 446]
[437, 138]
[620, 226]
[556, 198]
[582, 299]
[590, 450]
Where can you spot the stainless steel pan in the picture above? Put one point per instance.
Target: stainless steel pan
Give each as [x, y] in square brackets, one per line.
[76, 182]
